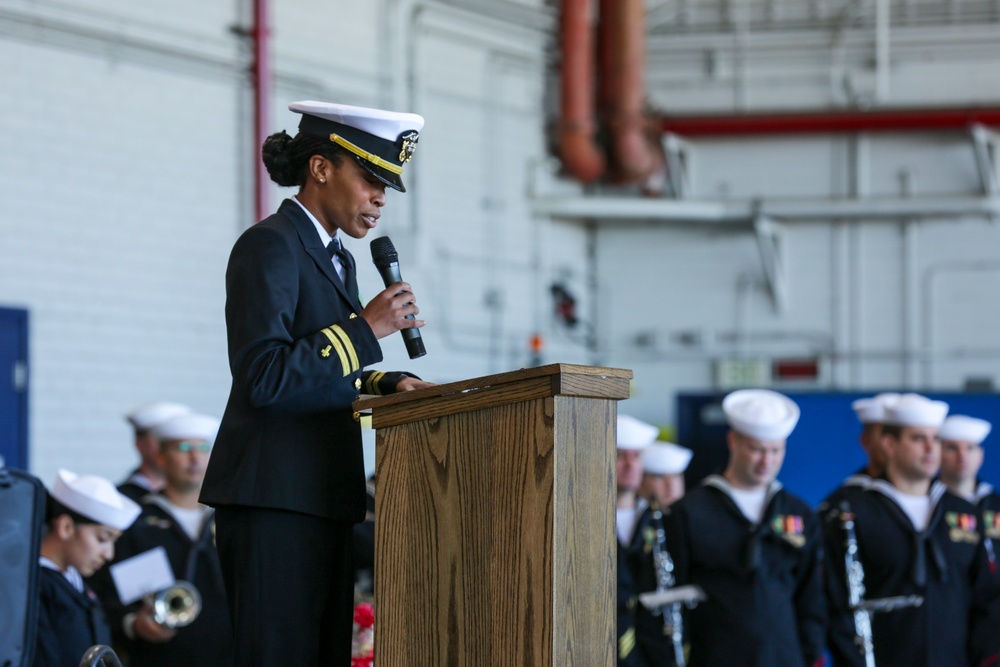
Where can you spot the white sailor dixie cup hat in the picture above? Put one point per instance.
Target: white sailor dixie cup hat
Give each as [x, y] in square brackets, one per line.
[916, 410]
[381, 141]
[761, 413]
[192, 425]
[872, 410]
[634, 433]
[961, 427]
[95, 498]
[148, 415]
[665, 458]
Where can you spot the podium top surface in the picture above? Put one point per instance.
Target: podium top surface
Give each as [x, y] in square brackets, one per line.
[523, 384]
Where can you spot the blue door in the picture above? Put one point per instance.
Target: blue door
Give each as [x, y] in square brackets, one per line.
[14, 387]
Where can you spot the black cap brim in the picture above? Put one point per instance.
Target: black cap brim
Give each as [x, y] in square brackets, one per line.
[390, 179]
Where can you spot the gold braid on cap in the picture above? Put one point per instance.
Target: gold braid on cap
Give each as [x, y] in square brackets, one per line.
[365, 155]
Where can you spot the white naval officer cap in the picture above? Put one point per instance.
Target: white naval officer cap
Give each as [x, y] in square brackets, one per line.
[916, 410]
[968, 429]
[665, 458]
[761, 414]
[634, 433]
[872, 410]
[188, 426]
[148, 415]
[380, 141]
[95, 498]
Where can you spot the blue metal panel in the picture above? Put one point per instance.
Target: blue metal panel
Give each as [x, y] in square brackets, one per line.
[824, 447]
[14, 387]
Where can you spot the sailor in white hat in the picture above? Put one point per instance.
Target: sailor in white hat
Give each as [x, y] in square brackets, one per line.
[760, 422]
[634, 436]
[148, 477]
[751, 546]
[301, 348]
[911, 442]
[176, 522]
[636, 643]
[962, 457]
[914, 538]
[663, 466]
[871, 413]
[85, 515]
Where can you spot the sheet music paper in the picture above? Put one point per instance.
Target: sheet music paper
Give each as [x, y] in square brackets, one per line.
[146, 573]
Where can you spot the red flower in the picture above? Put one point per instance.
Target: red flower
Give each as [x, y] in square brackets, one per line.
[364, 615]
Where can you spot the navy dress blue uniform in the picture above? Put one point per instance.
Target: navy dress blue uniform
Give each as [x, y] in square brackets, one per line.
[641, 642]
[852, 486]
[653, 647]
[625, 618]
[288, 464]
[298, 350]
[948, 563]
[69, 622]
[206, 642]
[988, 500]
[287, 473]
[765, 605]
[133, 488]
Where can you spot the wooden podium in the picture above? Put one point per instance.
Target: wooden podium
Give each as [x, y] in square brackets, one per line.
[494, 520]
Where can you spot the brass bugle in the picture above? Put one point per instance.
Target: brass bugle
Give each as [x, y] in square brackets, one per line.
[176, 606]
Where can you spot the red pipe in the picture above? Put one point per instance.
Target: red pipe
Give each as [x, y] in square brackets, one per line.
[886, 120]
[608, 58]
[633, 156]
[261, 75]
[577, 127]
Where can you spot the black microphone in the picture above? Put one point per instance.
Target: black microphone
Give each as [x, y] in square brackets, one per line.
[387, 263]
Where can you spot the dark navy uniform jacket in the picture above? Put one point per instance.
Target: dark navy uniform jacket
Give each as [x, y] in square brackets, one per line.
[208, 640]
[988, 500]
[765, 605]
[297, 353]
[69, 622]
[641, 642]
[133, 487]
[948, 563]
[654, 648]
[853, 485]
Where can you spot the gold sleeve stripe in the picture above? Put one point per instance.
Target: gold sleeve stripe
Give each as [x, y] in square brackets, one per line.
[365, 155]
[626, 643]
[348, 346]
[373, 380]
[339, 347]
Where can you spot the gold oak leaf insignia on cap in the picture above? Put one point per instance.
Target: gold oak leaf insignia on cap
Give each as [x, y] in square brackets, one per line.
[409, 145]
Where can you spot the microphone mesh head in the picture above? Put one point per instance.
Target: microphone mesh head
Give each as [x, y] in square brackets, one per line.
[383, 252]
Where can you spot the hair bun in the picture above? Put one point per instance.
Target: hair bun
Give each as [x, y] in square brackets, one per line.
[275, 154]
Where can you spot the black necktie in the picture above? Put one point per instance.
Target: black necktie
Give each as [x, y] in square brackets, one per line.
[350, 281]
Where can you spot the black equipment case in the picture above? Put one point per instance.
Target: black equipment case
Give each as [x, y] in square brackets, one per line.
[22, 514]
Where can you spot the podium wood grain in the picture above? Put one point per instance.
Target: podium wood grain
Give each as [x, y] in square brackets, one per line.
[495, 520]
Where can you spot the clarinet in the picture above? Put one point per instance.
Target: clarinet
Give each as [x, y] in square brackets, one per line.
[856, 587]
[673, 622]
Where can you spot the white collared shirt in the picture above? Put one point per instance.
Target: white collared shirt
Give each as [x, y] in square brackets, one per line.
[324, 237]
